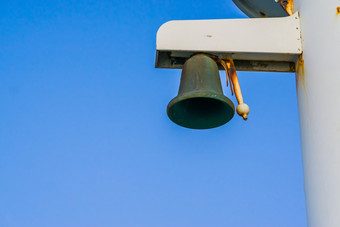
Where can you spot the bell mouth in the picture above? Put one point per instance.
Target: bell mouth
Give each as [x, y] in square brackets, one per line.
[204, 112]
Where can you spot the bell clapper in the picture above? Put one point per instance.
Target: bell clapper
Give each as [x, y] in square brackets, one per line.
[242, 108]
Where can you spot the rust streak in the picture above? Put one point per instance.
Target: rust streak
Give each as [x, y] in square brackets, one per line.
[338, 10]
[300, 72]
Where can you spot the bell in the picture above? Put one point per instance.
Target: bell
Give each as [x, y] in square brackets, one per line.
[200, 103]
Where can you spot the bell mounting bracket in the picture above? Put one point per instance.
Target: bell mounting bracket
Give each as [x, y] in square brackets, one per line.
[255, 44]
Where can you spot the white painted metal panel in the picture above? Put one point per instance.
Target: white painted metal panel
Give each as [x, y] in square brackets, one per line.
[318, 89]
[267, 35]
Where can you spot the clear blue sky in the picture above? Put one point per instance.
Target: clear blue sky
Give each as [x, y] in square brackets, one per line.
[85, 139]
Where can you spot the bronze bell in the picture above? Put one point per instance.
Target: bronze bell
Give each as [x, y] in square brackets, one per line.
[200, 103]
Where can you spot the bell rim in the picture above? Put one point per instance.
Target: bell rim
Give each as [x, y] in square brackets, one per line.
[191, 95]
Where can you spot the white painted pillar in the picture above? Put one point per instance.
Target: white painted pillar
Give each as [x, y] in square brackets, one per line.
[318, 90]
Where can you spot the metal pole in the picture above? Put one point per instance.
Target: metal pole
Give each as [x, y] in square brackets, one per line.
[318, 91]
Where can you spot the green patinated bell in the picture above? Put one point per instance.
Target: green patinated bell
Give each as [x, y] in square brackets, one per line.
[200, 103]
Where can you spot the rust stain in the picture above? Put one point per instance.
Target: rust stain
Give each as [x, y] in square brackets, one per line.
[338, 10]
[300, 72]
[288, 6]
[262, 14]
[301, 84]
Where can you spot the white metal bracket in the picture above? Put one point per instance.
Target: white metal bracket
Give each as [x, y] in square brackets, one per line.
[257, 44]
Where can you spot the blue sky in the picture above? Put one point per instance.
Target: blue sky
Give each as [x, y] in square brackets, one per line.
[85, 139]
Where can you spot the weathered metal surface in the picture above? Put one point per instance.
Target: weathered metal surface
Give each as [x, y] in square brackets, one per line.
[200, 103]
[261, 8]
[287, 5]
[170, 60]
